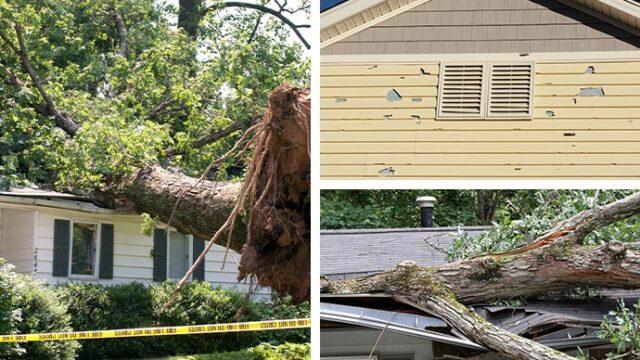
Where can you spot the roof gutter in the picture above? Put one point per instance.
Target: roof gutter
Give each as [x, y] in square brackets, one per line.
[66, 205]
[379, 325]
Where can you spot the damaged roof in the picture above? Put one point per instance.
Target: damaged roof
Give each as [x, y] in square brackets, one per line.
[345, 254]
[32, 196]
[557, 324]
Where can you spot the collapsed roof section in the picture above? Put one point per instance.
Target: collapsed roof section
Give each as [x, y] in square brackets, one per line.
[561, 325]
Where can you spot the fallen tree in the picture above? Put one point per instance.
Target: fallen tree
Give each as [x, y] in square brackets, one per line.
[266, 218]
[556, 260]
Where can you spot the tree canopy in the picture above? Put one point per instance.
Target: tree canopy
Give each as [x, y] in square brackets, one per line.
[140, 89]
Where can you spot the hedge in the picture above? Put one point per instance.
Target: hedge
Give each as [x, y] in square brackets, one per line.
[28, 306]
[95, 307]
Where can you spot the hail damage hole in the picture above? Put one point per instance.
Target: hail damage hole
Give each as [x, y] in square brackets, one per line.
[569, 134]
[591, 91]
[387, 171]
[341, 100]
[416, 99]
[575, 101]
[387, 116]
[550, 113]
[424, 72]
[524, 54]
[373, 67]
[589, 70]
[393, 95]
[417, 117]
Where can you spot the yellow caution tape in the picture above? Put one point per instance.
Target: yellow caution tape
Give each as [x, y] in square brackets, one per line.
[159, 331]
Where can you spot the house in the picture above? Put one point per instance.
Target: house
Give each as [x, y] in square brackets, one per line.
[480, 88]
[352, 323]
[59, 237]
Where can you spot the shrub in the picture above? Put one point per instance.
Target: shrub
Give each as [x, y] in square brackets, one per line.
[283, 309]
[287, 351]
[26, 307]
[98, 307]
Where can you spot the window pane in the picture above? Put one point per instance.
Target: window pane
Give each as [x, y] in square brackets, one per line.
[178, 255]
[83, 249]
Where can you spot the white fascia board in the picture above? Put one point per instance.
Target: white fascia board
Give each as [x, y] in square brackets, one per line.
[345, 10]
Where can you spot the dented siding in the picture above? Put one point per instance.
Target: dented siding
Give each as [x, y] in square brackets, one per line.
[368, 132]
[487, 26]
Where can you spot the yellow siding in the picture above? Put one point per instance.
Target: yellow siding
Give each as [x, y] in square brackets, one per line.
[363, 135]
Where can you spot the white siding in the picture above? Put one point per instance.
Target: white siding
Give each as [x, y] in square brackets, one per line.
[16, 238]
[132, 258]
[359, 342]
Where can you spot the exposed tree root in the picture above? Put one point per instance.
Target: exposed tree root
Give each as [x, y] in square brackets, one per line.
[276, 193]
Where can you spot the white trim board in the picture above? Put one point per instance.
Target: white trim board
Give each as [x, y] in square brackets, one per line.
[601, 56]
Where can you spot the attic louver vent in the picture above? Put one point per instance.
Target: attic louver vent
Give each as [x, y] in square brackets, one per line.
[510, 90]
[461, 91]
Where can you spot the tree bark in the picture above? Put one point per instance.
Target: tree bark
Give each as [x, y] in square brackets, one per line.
[274, 235]
[189, 16]
[420, 286]
[555, 261]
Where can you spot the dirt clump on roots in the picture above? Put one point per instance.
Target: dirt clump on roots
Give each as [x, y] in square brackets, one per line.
[277, 250]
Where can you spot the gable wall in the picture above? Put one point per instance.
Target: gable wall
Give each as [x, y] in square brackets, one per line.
[132, 251]
[588, 137]
[17, 237]
[487, 26]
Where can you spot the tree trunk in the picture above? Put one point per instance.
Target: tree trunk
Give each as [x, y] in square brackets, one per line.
[189, 16]
[420, 286]
[274, 234]
[555, 261]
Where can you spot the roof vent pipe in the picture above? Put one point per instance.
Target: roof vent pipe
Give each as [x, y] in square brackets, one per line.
[426, 204]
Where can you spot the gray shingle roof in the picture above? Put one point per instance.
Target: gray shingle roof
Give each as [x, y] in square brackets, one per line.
[347, 254]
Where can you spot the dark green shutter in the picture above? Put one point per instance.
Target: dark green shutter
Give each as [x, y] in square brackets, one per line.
[198, 246]
[61, 244]
[106, 251]
[159, 255]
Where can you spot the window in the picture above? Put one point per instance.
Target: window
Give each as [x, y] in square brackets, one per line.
[486, 91]
[173, 254]
[84, 249]
[179, 256]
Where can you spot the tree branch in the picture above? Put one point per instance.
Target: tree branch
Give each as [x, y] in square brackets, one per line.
[255, 30]
[576, 229]
[212, 136]
[62, 121]
[276, 13]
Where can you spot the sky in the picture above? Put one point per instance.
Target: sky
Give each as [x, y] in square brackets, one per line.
[298, 18]
[326, 4]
